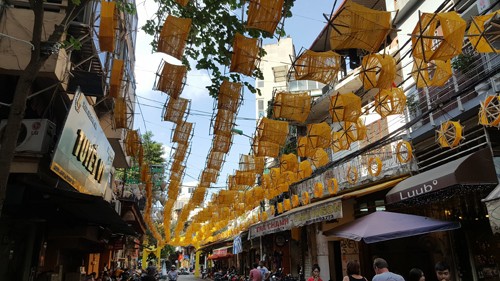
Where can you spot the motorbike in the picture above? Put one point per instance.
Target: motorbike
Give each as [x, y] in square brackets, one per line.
[204, 274]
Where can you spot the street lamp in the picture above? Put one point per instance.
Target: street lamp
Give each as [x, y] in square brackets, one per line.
[240, 132]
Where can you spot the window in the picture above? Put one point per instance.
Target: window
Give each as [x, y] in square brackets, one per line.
[260, 83]
[190, 190]
[260, 105]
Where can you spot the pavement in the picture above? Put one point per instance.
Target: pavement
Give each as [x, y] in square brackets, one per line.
[189, 277]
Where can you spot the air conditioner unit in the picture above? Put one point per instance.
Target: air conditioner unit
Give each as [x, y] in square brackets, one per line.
[35, 135]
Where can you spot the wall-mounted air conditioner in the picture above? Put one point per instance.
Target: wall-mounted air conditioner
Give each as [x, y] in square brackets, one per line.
[35, 136]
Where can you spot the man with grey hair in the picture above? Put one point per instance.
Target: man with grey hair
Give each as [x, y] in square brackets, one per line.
[382, 271]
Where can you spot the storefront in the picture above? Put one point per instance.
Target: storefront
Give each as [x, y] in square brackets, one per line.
[453, 192]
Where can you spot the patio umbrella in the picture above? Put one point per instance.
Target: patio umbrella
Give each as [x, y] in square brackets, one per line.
[382, 226]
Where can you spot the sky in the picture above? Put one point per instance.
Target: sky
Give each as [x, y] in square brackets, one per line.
[305, 25]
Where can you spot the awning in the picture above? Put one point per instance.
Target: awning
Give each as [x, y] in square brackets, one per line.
[382, 226]
[323, 210]
[475, 169]
[220, 257]
[60, 206]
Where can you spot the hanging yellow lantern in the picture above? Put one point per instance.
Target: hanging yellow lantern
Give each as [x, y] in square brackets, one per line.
[320, 158]
[318, 190]
[438, 36]
[345, 107]
[264, 14]
[295, 201]
[404, 152]
[173, 36]
[352, 175]
[245, 54]
[305, 198]
[479, 34]
[287, 204]
[317, 66]
[280, 207]
[377, 71]
[489, 113]
[390, 102]
[421, 72]
[292, 106]
[374, 166]
[333, 186]
[449, 134]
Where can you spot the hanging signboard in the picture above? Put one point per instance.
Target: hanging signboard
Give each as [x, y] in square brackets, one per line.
[83, 155]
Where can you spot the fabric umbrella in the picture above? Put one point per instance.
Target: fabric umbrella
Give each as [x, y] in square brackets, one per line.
[382, 226]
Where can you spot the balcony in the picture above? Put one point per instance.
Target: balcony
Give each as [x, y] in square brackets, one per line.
[458, 99]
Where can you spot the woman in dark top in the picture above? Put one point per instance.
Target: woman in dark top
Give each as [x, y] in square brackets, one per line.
[353, 272]
[416, 274]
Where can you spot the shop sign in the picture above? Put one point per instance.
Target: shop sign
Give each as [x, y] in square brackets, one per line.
[323, 212]
[271, 226]
[83, 155]
[220, 252]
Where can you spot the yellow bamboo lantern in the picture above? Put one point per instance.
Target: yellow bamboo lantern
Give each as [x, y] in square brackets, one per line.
[438, 36]
[318, 190]
[333, 186]
[107, 27]
[120, 113]
[295, 201]
[182, 132]
[222, 143]
[245, 55]
[479, 33]
[357, 27]
[377, 71]
[318, 135]
[303, 149]
[171, 79]
[265, 148]
[229, 97]
[390, 102]
[352, 175]
[215, 160]
[175, 110]
[317, 66]
[115, 81]
[293, 107]
[360, 129]
[345, 107]
[224, 122]
[489, 113]
[287, 204]
[374, 166]
[421, 73]
[274, 131]
[305, 198]
[449, 134]
[173, 36]
[320, 158]
[264, 14]
[280, 207]
[289, 162]
[305, 169]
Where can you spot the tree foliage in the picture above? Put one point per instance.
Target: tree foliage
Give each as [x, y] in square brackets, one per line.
[214, 24]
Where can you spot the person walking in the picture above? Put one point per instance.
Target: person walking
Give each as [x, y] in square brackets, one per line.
[353, 272]
[315, 274]
[255, 274]
[382, 271]
[416, 274]
[264, 271]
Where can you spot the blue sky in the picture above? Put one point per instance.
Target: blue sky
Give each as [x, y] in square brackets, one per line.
[305, 25]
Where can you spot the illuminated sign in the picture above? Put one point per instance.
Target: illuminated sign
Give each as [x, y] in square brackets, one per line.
[83, 156]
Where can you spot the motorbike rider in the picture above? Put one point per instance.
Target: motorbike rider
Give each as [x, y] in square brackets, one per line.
[172, 274]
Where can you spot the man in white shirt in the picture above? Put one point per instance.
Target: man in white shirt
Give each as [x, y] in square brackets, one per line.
[265, 272]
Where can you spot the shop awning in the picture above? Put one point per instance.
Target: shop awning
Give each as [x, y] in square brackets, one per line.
[323, 210]
[382, 226]
[475, 169]
[60, 206]
[219, 257]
